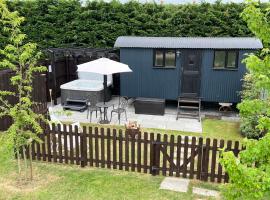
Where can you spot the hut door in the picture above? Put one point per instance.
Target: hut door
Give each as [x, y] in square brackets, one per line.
[190, 78]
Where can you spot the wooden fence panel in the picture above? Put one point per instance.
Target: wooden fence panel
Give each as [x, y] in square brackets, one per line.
[185, 157]
[132, 137]
[192, 155]
[178, 155]
[219, 176]
[213, 162]
[139, 152]
[65, 133]
[114, 149]
[164, 160]
[83, 146]
[39, 94]
[43, 145]
[120, 150]
[90, 147]
[126, 152]
[71, 141]
[102, 151]
[181, 156]
[171, 155]
[145, 152]
[108, 136]
[96, 148]
[199, 160]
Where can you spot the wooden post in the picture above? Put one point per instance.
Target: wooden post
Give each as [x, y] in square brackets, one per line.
[83, 146]
[145, 152]
[154, 154]
[205, 160]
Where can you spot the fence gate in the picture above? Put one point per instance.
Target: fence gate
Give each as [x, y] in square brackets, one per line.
[188, 158]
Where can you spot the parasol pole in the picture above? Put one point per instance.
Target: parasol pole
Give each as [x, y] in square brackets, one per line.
[105, 87]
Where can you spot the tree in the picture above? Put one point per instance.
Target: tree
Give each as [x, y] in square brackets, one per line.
[95, 23]
[250, 173]
[22, 59]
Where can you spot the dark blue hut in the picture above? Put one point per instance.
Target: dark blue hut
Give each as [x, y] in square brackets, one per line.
[169, 67]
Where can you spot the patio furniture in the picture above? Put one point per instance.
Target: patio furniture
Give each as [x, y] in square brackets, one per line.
[92, 108]
[104, 106]
[149, 106]
[123, 103]
[225, 107]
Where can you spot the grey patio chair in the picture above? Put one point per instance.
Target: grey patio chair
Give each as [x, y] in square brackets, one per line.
[123, 103]
[92, 108]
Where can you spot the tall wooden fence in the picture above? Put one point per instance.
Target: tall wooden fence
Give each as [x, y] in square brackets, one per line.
[169, 155]
[39, 94]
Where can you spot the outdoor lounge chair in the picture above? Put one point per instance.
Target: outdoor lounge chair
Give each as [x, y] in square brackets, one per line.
[123, 103]
[91, 109]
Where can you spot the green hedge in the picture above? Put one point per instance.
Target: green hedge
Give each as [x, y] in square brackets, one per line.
[59, 23]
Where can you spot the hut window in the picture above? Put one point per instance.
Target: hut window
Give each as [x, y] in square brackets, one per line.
[164, 58]
[225, 60]
[159, 58]
[231, 59]
[170, 58]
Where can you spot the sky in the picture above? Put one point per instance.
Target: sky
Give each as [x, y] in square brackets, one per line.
[191, 1]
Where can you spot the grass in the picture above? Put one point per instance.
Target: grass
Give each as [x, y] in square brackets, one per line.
[221, 129]
[71, 182]
[212, 128]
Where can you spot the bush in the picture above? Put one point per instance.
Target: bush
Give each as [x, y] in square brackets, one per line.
[249, 128]
[60, 23]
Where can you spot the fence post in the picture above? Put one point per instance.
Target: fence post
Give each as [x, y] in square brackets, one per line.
[83, 146]
[205, 160]
[152, 154]
[155, 153]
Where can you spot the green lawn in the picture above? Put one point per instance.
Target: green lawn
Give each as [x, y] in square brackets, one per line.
[70, 182]
[221, 129]
[212, 128]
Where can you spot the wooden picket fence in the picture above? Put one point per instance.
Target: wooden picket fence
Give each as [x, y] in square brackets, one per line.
[38, 95]
[169, 155]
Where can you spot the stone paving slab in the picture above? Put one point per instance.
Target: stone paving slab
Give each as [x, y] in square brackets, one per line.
[168, 121]
[175, 184]
[205, 192]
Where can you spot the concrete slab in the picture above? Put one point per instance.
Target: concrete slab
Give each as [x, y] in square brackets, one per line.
[175, 184]
[168, 121]
[205, 192]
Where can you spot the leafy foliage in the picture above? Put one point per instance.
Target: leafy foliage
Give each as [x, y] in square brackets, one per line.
[249, 123]
[58, 23]
[250, 173]
[22, 59]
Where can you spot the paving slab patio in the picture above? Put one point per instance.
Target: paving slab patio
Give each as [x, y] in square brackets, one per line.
[205, 192]
[175, 184]
[168, 121]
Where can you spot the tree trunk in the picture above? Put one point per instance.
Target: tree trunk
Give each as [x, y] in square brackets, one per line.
[25, 162]
[18, 162]
[31, 163]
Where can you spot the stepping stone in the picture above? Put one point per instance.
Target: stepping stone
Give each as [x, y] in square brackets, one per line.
[205, 192]
[175, 184]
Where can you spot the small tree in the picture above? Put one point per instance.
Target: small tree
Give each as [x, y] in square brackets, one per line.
[250, 173]
[22, 59]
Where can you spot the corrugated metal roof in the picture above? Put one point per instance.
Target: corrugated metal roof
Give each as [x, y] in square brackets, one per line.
[189, 42]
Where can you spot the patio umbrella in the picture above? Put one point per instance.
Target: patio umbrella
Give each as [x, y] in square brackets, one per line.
[105, 67]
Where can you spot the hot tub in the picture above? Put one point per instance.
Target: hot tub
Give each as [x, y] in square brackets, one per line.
[91, 88]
